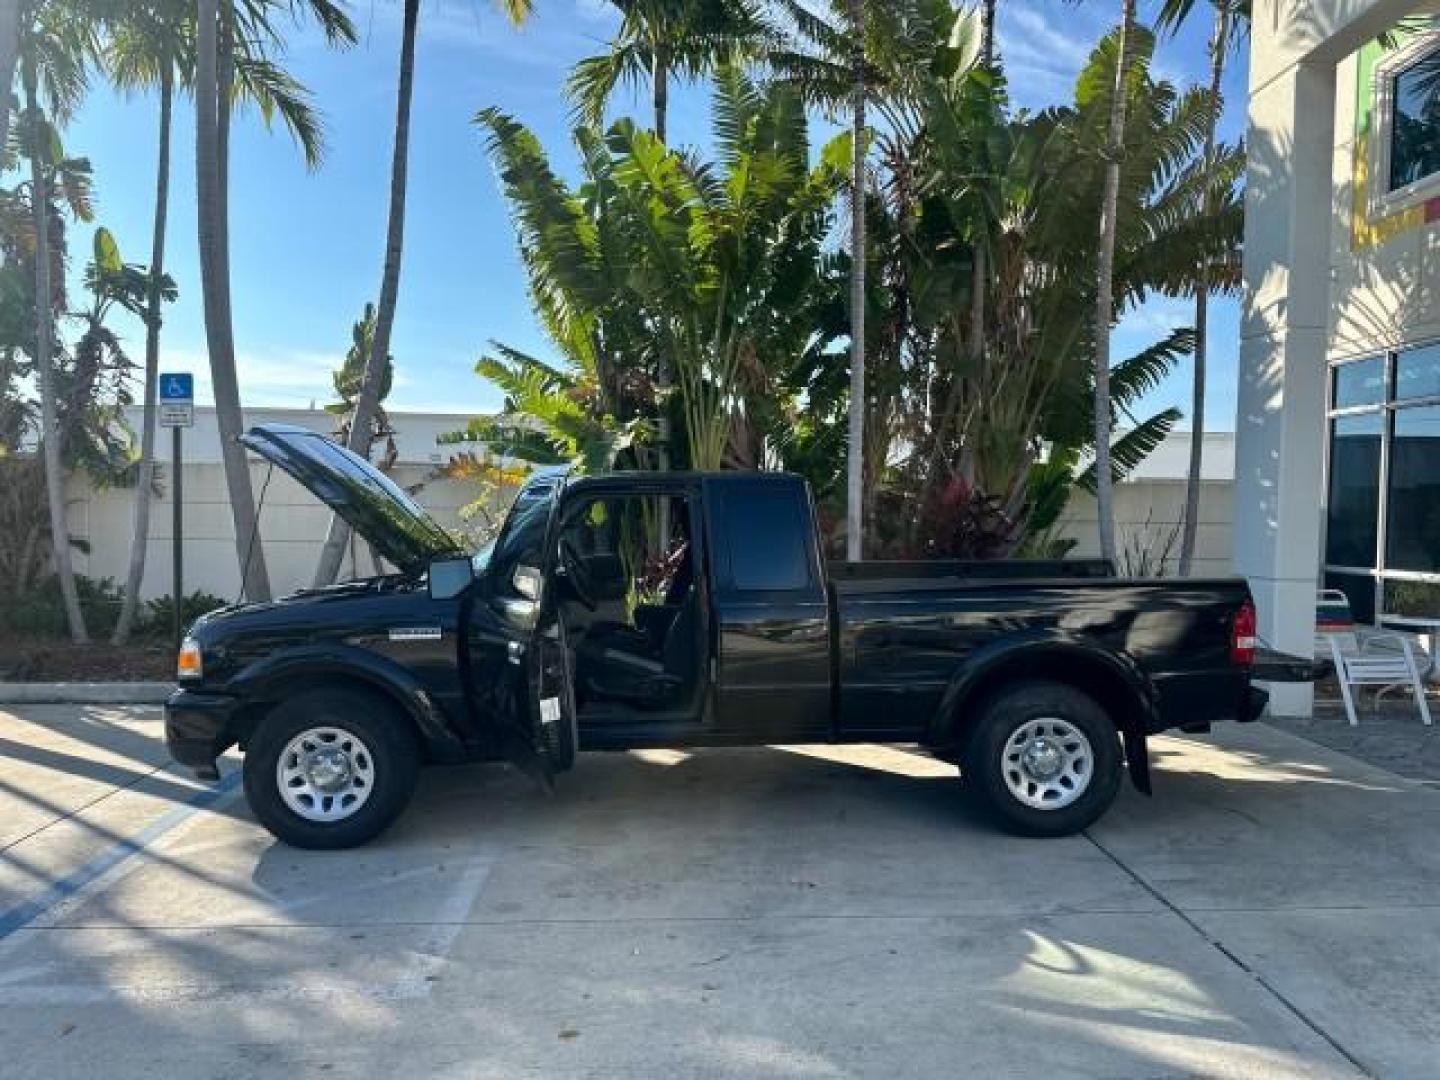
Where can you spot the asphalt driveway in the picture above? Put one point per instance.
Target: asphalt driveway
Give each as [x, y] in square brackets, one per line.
[790, 912]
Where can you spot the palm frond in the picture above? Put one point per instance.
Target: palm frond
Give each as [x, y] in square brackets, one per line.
[1137, 375]
[1129, 451]
[275, 92]
[593, 80]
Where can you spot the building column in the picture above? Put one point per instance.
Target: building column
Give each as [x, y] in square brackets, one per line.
[1280, 424]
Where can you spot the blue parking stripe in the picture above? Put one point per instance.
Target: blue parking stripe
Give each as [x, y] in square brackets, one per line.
[22, 915]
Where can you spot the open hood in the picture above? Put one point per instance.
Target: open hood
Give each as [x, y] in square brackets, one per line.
[373, 505]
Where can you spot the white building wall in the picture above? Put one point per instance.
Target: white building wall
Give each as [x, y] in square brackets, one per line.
[1292, 202]
[1147, 519]
[293, 523]
[1384, 289]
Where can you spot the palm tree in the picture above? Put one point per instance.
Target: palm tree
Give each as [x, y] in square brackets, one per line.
[39, 153]
[338, 535]
[855, 457]
[864, 54]
[1227, 13]
[987, 32]
[54, 45]
[965, 475]
[211, 114]
[147, 50]
[10, 22]
[659, 39]
[1105, 285]
[94, 382]
[40, 139]
[232, 61]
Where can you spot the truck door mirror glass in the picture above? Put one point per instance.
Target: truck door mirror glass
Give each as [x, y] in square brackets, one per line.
[527, 581]
[450, 577]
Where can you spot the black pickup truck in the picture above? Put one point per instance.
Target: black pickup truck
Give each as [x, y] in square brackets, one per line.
[672, 609]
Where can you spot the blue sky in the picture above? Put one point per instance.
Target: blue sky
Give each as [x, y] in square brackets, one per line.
[307, 246]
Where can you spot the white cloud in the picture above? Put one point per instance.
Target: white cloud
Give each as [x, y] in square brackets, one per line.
[1035, 33]
[1159, 316]
[1043, 49]
[600, 11]
[277, 377]
[549, 39]
[296, 378]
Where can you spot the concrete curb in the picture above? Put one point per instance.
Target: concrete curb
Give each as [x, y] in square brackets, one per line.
[85, 693]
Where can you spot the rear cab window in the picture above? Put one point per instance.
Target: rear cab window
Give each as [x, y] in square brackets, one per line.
[763, 539]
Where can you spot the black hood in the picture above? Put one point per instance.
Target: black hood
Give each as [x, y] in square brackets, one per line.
[373, 505]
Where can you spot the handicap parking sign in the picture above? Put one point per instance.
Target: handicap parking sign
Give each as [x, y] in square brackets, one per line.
[177, 399]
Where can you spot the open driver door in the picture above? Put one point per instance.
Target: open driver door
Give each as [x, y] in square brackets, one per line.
[539, 733]
[533, 713]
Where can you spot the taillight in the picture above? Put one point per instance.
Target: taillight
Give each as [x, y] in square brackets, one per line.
[1242, 636]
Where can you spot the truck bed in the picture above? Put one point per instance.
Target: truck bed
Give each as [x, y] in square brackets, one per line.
[901, 637]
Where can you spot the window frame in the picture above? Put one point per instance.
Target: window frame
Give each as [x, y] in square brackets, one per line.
[719, 502]
[1386, 409]
[1383, 199]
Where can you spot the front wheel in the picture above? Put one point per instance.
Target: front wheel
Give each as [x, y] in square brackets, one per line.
[330, 768]
[1043, 758]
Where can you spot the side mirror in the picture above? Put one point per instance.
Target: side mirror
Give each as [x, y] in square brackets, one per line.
[528, 582]
[450, 577]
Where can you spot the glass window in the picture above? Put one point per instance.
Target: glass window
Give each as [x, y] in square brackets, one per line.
[522, 541]
[1417, 373]
[1415, 122]
[1359, 590]
[765, 537]
[1360, 382]
[1412, 530]
[1352, 524]
[1415, 598]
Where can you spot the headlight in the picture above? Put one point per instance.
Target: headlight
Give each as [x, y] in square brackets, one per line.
[188, 666]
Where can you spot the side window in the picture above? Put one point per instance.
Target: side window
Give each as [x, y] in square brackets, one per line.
[520, 545]
[764, 535]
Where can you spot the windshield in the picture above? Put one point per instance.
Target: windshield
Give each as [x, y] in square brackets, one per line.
[522, 540]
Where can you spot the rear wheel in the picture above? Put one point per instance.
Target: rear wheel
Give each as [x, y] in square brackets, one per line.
[330, 768]
[1043, 758]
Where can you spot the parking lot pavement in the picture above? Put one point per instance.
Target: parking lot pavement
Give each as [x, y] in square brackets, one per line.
[1389, 734]
[791, 912]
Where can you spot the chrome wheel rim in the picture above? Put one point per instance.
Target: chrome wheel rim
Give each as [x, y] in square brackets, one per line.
[325, 774]
[1047, 763]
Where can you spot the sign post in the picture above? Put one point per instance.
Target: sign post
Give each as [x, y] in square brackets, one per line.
[177, 411]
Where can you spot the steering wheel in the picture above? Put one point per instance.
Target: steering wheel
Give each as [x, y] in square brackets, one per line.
[577, 575]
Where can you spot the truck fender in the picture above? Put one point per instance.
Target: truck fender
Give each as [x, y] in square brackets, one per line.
[267, 679]
[1114, 678]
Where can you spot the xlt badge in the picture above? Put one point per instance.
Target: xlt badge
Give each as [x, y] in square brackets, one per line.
[415, 633]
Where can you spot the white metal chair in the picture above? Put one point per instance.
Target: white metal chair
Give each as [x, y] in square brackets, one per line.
[1333, 619]
[1379, 660]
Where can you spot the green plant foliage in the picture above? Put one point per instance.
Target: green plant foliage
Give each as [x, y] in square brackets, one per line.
[679, 291]
[982, 274]
[39, 612]
[160, 613]
[706, 298]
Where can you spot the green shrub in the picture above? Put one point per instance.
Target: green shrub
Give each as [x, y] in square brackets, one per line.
[40, 611]
[159, 613]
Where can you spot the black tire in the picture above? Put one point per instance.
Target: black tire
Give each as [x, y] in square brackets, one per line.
[1002, 717]
[394, 763]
